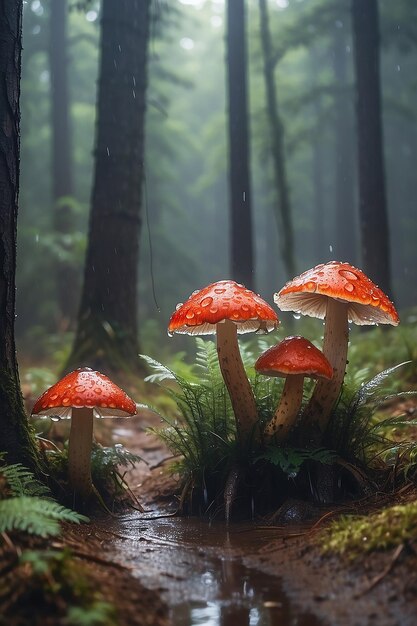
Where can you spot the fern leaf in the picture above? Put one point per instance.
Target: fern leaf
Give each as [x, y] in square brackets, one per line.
[161, 372]
[22, 482]
[36, 516]
[290, 460]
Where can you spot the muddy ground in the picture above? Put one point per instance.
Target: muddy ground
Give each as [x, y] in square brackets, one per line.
[313, 589]
[184, 571]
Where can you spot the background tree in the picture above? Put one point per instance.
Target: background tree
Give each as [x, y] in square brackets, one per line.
[15, 437]
[345, 191]
[372, 195]
[61, 160]
[283, 212]
[107, 323]
[241, 244]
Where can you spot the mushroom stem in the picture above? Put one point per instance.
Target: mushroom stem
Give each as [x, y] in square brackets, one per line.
[287, 409]
[234, 375]
[79, 452]
[335, 347]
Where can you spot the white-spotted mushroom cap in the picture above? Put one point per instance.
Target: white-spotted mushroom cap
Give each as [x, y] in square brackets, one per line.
[308, 293]
[84, 388]
[294, 356]
[223, 300]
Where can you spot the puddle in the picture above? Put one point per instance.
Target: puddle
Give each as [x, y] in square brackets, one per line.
[197, 567]
[241, 597]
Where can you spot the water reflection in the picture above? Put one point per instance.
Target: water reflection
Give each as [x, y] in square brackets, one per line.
[241, 597]
[198, 566]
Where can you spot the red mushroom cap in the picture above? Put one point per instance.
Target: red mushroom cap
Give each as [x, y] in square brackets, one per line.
[308, 292]
[219, 301]
[85, 388]
[294, 355]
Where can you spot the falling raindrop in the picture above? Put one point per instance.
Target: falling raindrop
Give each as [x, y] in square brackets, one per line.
[331, 248]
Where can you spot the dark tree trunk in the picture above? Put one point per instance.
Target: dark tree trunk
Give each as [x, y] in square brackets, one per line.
[372, 197]
[242, 255]
[66, 275]
[346, 214]
[320, 225]
[15, 436]
[283, 213]
[107, 325]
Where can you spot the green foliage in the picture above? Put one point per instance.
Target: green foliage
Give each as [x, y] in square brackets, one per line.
[36, 516]
[358, 430]
[21, 482]
[100, 613]
[105, 467]
[204, 434]
[290, 460]
[62, 585]
[354, 536]
[26, 504]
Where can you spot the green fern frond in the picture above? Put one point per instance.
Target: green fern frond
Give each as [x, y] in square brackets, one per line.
[22, 482]
[161, 372]
[290, 460]
[105, 460]
[357, 430]
[36, 516]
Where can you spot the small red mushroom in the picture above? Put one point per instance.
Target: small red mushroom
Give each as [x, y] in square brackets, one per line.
[339, 293]
[226, 308]
[82, 395]
[293, 358]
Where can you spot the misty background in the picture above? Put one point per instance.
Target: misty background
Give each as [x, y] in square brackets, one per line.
[184, 240]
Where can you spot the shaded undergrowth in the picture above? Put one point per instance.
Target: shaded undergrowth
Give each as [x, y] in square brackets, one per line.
[357, 455]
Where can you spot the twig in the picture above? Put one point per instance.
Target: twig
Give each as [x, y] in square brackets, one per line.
[397, 553]
[91, 557]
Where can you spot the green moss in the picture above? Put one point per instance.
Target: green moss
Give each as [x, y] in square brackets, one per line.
[16, 433]
[353, 536]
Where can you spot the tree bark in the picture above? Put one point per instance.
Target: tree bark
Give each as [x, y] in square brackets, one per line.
[283, 212]
[15, 434]
[62, 175]
[372, 196]
[242, 255]
[107, 325]
[346, 214]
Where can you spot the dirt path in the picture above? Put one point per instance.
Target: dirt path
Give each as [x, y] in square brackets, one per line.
[208, 574]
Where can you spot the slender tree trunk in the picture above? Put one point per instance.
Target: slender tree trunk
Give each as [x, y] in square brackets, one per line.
[242, 255]
[346, 214]
[15, 435]
[321, 230]
[372, 197]
[107, 325]
[283, 212]
[62, 179]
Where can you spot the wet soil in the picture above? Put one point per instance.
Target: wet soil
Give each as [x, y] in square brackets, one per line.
[159, 571]
[244, 574]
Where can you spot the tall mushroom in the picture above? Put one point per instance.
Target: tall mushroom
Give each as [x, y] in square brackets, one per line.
[340, 293]
[293, 358]
[226, 308]
[82, 395]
